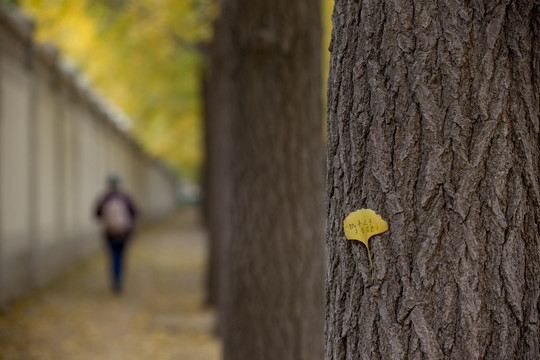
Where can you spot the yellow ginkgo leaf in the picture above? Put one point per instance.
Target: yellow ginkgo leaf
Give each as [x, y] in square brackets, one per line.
[361, 225]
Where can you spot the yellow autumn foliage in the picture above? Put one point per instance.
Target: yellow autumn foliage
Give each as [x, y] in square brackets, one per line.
[143, 56]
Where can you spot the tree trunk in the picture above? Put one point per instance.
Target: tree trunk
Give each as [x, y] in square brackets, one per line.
[272, 295]
[218, 159]
[433, 122]
[210, 183]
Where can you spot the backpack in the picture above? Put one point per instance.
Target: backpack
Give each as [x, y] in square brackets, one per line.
[116, 218]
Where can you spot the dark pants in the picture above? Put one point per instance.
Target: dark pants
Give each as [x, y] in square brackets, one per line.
[117, 245]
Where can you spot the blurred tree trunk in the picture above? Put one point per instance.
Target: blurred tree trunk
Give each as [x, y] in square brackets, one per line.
[433, 123]
[217, 174]
[211, 192]
[272, 293]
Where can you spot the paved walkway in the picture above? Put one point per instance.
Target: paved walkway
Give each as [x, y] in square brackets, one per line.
[160, 315]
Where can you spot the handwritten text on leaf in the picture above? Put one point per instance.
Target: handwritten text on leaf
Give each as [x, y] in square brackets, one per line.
[361, 225]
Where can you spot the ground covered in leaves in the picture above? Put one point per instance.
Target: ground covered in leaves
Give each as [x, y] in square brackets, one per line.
[160, 315]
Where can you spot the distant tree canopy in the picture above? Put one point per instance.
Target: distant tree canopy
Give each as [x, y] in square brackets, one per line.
[145, 56]
[9, 3]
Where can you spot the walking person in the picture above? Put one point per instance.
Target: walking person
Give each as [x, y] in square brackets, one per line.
[117, 213]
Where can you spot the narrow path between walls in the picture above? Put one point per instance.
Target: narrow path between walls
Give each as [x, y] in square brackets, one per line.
[160, 314]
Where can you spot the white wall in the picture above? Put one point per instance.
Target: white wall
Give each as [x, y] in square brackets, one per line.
[47, 160]
[15, 156]
[57, 147]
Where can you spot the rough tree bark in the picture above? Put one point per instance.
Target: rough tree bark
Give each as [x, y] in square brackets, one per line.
[434, 123]
[272, 298]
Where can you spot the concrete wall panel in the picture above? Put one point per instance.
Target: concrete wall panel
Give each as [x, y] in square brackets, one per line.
[15, 152]
[47, 164]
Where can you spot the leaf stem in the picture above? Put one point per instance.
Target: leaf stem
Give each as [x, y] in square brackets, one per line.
[370, 262]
